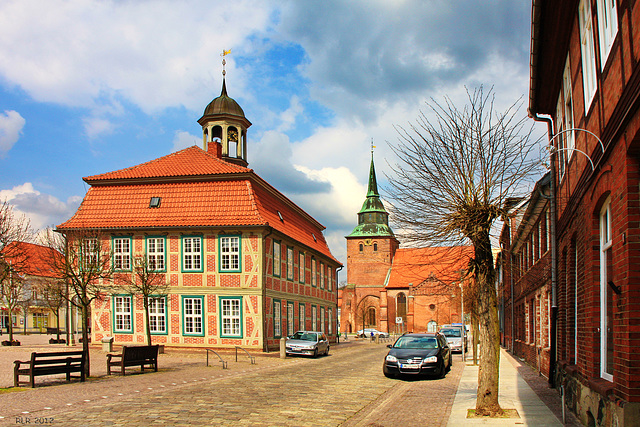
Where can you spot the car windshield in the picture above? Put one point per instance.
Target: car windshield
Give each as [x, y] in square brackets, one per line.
[450, 332]
[416, 342]
[304, 336]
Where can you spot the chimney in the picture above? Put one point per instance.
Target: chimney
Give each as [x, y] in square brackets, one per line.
[215, 149]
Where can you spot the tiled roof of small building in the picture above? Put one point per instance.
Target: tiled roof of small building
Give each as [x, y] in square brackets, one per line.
[415, 265]
[35, 260]
[212, 193]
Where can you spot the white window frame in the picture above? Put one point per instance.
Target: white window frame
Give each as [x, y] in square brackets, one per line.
[567, 93]
[122, 253]
[90, 252]
[301, 261]
[230, 253]
[588, 52]
[314, 318]
[606, 242]
[330, 314]
[322, 319]
[231, 317]
[290, 319]
[193, 314]
[122, 313]
[277, 263]
[277, 318]
[156, 253]
[607, 27]
[313, 272]
[302, 324]
[322, 268]
[192, 253]
[157, 315]
[290, 263]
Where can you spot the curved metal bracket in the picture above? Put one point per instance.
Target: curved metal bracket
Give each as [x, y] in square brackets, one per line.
[575, 149]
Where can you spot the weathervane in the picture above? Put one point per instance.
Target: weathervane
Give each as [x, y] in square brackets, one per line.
[224, 61]
[372, 147]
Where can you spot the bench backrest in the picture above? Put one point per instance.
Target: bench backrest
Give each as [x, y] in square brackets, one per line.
[139, 352]
[57, 358]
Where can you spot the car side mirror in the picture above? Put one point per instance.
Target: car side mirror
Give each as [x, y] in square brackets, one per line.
[390, 345]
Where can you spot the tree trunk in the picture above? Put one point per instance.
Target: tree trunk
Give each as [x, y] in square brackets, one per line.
[10, 325]
[58, 325]
[85, 338]
[488, 373]
[146, 318]
[476, 336]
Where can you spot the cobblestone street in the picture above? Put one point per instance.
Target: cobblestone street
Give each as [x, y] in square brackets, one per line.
[346, 388]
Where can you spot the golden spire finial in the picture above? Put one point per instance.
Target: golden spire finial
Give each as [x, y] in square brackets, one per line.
[224, 61]
[372, 147]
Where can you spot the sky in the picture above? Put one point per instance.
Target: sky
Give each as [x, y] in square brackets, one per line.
[88, 87]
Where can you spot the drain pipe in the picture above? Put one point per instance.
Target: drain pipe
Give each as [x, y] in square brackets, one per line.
[554, 256]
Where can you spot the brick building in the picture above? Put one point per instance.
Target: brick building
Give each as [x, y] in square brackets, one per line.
[395, 289]
[524, 278]
[244, 264]
[585, 76]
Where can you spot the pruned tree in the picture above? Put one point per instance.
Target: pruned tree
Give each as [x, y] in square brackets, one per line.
[456, 169]
[53, 292]
[148, 280]
[14, 259]
[85, 267]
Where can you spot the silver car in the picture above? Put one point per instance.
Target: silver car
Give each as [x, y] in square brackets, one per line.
[309, 343]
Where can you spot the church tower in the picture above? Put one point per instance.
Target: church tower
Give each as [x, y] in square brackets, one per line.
[371, 247]
[224, 127]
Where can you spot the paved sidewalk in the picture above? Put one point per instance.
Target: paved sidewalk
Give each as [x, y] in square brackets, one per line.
[521, 388]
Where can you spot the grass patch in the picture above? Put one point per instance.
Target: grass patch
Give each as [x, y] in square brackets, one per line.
[506, 413]
[6, 390]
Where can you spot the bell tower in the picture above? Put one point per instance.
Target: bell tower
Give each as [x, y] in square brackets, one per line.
[224, 126]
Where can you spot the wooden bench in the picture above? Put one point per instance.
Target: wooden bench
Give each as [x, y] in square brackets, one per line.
[142, 355]
[59, 362]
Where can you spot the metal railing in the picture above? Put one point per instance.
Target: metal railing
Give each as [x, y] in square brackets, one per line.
[224, 363]
[251, 358]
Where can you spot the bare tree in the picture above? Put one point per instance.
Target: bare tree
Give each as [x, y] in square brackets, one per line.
[148, 280]
[455, 173]
[85, 266]
[14, 259]
[53, 293]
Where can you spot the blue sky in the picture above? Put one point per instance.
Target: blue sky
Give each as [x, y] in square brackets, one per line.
[88, 87]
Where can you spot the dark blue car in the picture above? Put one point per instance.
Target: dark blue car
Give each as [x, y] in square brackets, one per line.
[418, 354]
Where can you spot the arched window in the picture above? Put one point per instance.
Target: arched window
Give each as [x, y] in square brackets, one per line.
[361, 247]
[375, 247]
[432, 326]
[371, 317]
[401, 306]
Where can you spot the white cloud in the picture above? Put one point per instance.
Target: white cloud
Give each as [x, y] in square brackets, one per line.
[183, 139]
[11, 124]
[288, 117]
[43, 210]
[96, 126]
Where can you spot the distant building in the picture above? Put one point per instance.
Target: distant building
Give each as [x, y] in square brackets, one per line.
[245, 265]
[585, 77]
[395, 289]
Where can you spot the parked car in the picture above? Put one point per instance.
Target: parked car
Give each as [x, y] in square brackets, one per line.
[418, 354]
[456, 337]
[310, 343]
[366, 333]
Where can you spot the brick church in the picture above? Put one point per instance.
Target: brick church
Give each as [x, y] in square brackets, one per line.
[395, 289]
[244, 264]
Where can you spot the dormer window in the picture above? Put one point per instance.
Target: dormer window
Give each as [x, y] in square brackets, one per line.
[280, 216]
[155, 202]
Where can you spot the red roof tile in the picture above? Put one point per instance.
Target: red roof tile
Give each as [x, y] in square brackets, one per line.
[191, 161]
[36, 258]
[202, 200]
[415, 265]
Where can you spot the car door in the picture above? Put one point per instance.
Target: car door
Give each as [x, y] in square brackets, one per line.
[446, 350]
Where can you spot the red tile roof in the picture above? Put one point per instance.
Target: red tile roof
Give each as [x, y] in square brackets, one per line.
[415, 265]
[192, 161]
[208, 193]
[36, 258]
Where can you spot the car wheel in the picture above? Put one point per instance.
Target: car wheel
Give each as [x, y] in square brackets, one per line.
[387, 374]
[315, 353]
[326, 353]
[442, 371]
[450, 363]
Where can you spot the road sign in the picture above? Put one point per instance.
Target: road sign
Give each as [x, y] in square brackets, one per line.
[398, 320]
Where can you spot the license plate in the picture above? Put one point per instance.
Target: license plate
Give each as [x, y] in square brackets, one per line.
[409, 366]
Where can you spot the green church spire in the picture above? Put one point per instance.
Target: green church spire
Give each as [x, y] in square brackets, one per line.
[373, 219]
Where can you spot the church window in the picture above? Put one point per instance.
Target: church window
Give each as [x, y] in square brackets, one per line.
[361, 247]
[375, 247]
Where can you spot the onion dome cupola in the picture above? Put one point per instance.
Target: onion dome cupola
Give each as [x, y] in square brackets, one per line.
[373, 219]
[224, 127]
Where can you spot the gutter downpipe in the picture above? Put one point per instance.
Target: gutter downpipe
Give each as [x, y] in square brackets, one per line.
[554, 253]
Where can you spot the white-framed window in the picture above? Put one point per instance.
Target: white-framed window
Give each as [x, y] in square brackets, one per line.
[277, 318]
[230, 253]
[122, 253]
[567, 93]
[90, 251]
[302, 324]
[314, 318]
[157, 315]
[330, 322]
[322, 274]
[231, 316]
[276, 258]
[313, 272]
[329, 278]
[607, 27]
[192, 315]
[192, 253]
[322, 319]
[289, 263]
[606, 293]
[587, 49]
[301, 266]
[122, 313]
[156, 253]
[290, 319]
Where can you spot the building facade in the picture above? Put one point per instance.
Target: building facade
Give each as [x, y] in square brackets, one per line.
[395, 289]
[243, 264]
[524, 278]
[585, 82]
